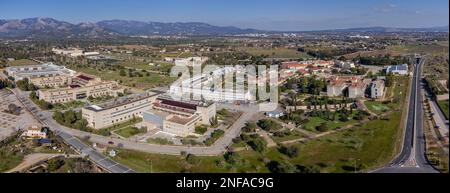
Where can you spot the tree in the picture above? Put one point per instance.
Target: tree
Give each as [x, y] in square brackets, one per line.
[249, 127]
[258, 144]
[281, 167]
[69, 117]
[269, 125]
[290, 151]
[322, 127]
[122, 73]
[192, 159]
[58, 116]
[231, 157]
[55, 164]
[81, 125]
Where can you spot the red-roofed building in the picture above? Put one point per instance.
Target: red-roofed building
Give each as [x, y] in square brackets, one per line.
[293, 65]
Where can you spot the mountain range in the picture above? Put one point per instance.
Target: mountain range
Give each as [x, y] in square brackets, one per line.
[42, 27]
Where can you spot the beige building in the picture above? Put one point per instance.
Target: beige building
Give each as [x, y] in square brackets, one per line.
[349, 86]
[81, 87]
[179, 117]
[119, 110]
[52, 81]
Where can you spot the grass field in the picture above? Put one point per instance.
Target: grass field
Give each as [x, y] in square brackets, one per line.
[145, 82]
[275, 52]
[127, 131]
[294, 135]
[160, 141]
[369, 145]
[21, 62]
[444, 106]
[434, 48]
[316, 121]
[376, 107]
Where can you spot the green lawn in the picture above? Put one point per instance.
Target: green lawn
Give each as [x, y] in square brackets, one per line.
[376, 107]
[144, 82]
[294, 135]
[444, 106]
[126, 124]
[370, 145]
[21, 62]
[160, 141]
[127, 131]
[316, 121]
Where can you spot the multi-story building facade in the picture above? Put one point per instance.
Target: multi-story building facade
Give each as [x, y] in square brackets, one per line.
[38, 71]
[350, 86]
[377, 89]
[179, 117]
[119, 110]
[80, 87]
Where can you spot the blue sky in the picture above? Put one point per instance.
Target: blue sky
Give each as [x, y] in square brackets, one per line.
[259, 14]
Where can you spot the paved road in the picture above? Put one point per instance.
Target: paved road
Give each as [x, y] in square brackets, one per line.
[44, 117]
[412, 158]
[438, 116]
[218, 148]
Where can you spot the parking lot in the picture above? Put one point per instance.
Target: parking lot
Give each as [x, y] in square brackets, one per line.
[9, 122]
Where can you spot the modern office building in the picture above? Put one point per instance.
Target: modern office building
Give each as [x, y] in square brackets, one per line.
[118, 110]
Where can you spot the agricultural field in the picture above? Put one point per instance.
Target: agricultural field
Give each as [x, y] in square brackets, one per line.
[145, 82]
[274, 52]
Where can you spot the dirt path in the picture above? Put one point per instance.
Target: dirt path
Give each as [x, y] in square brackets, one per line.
[31, 160]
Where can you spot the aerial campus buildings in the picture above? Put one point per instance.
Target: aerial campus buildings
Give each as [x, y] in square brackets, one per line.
[159, 112]
[41, 75]
[350, 86]
[118, 110]
[202, 86]
[60, 85]
[81, 86]
[179, 117]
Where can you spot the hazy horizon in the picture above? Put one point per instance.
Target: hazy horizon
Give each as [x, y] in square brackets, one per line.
[283, 15]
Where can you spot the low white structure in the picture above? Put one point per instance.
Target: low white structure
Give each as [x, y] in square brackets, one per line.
[346, 65]
[35, 132]
[38, 71]
[401, 69]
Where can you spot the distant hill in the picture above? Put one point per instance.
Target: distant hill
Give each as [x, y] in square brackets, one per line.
[157, 28]
[42, 27]
[51, 28]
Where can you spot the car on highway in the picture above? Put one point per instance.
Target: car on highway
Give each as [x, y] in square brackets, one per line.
[110, 142]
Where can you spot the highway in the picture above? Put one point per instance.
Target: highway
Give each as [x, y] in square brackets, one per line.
[412, 158]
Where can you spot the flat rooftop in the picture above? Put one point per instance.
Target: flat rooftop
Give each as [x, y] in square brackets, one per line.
[181, 120]
[39, 69]
[121, 101]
